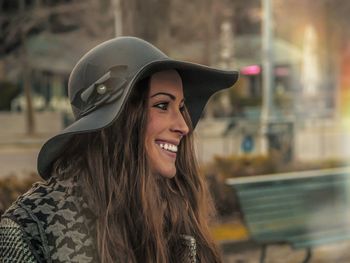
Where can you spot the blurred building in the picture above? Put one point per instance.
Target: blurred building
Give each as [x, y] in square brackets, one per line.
[51, 58]
[59, 32]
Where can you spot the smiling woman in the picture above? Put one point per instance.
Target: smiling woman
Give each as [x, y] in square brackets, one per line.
[122, 182]
[166, 125]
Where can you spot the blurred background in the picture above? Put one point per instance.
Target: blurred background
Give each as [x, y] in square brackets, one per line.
[282, 134]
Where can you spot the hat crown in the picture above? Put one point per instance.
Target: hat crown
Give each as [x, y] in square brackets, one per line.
[132, 52]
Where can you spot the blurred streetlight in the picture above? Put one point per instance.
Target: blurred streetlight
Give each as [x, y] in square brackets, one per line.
[118, 26]
[226, 44]
[267, 74]
[267, 61]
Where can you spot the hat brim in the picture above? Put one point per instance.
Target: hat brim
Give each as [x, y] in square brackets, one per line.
[199, 83]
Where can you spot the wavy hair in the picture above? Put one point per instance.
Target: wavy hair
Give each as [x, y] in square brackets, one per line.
[140, 216]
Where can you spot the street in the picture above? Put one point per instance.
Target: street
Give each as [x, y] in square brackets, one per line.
[17, 161]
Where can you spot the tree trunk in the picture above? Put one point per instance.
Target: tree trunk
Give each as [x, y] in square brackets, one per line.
[209, 30]
[149, 20]
[30, 122]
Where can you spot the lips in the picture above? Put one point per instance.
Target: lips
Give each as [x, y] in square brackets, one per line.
[168, 147]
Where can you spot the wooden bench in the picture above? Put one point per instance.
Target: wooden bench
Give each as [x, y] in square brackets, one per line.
[303, 209]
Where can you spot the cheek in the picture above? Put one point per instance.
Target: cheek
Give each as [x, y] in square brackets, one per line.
[150, 130]
[154, 126]
[151, 133]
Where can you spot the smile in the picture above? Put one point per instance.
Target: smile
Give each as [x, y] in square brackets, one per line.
[168, 147]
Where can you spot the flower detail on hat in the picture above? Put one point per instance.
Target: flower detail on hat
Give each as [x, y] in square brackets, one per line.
[101, 89]
[106, 89]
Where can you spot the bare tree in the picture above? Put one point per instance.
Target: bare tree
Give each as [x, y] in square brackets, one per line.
[25, 74]
[29, 19]
[149, 20]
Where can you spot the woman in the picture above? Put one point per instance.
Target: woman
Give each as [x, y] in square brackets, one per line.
[122, 183]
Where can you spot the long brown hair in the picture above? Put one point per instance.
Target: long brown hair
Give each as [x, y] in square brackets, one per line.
[140, 216]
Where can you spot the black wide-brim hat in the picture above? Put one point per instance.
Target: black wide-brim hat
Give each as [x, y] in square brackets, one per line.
[103, 79]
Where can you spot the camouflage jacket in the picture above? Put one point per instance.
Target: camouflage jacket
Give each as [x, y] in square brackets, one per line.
[51, 223]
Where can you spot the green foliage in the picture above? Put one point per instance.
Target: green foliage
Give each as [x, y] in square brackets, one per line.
[237, 98]
[223, 197]
[238, 101]
[13, 186]
[236, 166]
[8, 91]
[248, 165]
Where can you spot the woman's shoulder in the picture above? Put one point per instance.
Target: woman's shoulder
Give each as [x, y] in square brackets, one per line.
[53, 218]
[39, 202]
[19, 220]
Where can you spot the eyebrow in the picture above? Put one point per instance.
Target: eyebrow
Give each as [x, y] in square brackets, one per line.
[164, 93]
[172, 97]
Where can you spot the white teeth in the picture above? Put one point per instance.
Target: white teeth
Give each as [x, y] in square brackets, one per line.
[168, 147]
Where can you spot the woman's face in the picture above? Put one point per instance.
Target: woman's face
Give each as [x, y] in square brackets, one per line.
[166, 125]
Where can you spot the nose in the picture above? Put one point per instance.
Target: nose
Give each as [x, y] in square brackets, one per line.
[179, 124]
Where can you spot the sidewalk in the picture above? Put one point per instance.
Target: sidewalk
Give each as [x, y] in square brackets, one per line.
[18, 153]
[249, 253]
[232, 230]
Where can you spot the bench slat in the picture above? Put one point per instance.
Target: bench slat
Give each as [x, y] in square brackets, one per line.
[306, 211]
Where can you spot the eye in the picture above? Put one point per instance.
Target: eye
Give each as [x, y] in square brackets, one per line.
[182, 108]
[162, 105]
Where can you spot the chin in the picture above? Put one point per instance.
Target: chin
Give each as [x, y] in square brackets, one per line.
[168, 173]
